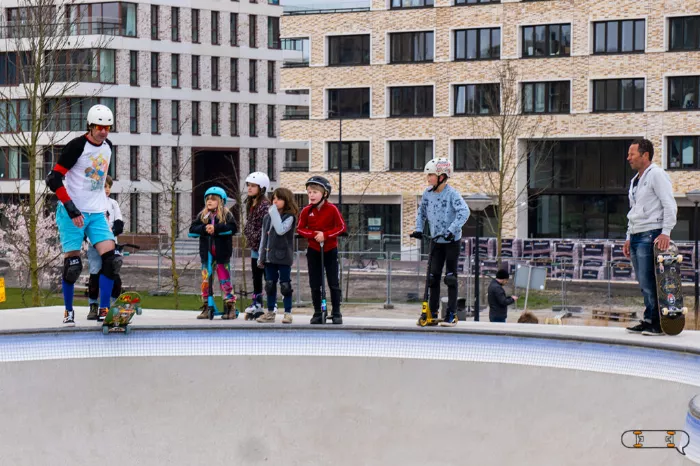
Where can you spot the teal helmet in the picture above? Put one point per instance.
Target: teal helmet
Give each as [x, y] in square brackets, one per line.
[215, 190]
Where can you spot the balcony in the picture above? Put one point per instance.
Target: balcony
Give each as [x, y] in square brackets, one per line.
[296, 113]
[296, 166]
[27, 29]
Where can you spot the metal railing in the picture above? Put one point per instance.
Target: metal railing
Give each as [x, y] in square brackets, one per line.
[296, 114]
[290, 11]
[294, 166]
[295, 64]
[27, 29]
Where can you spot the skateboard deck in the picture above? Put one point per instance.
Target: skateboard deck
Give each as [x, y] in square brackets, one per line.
[667, 268]
[121, 312]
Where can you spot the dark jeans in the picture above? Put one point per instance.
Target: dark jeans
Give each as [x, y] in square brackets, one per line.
[642, 254]
[330, 262]
[283, 273]
[443, 254]
[498, 319]
[258, 275]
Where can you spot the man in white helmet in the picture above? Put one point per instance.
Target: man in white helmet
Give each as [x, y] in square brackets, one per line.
[78, 179]
[446, 212]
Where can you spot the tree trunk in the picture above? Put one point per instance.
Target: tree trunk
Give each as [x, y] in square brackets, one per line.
[173, 262]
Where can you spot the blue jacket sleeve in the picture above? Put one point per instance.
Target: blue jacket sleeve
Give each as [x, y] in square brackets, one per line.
[461, 214]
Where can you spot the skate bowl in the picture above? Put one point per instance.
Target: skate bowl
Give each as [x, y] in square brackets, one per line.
[379, 394]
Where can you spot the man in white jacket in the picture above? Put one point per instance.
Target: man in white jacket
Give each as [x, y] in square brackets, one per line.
[650, 220]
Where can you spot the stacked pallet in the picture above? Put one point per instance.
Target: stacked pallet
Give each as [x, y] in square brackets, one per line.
[620, 267]
[593, 260]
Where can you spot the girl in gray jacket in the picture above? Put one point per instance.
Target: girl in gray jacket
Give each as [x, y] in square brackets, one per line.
[276, 253]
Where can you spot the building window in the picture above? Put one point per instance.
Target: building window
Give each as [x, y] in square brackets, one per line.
[618, 95]
[477, 99]
[271, 121]
[547, 97]
[174, 164]
[233, 26]
[273, 32]
[296, 112]
[476, 154]
[296, 160]
[549, 40]
[414, 101]
[215, 28]
[683, 93]
[111, 171]
[253, 120]
[409, 155]
[477, 2]
[215, 73]
[195, 72]
[252, 160]
[134, 212]
[133, 68]
[685, 33]
[684, 153]
[252, 76]
[271, 77]
[253, 32]
[618, 36]
[154, 22]
[195, 118]
[298, 45]
[233, 119]
[215, 119]
[175, 24]
[175, 116]
[348, 50]
[234, 75]
[195, 26]
[355, 155]
[411, 3]
[155, 208]
[478, 44]
[133, 163]
[155, 116]
[111, 19]
[348, 103]
[133, 115]
[412, 47]
[271, 162]
[155, 163]
[14, 163]
[175, 70]
[154, 69]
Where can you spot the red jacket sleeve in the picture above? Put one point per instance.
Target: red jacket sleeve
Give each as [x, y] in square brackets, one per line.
[339, 224]
[303, 223]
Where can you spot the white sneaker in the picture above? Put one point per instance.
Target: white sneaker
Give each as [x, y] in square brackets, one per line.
[69, 318]
[287, 318]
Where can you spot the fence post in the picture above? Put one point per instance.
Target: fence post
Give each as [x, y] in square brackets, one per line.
[387, 304]
[159, 254]
[298, 293]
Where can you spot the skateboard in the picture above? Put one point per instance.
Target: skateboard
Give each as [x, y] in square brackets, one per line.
[667, 268]
[121, 312]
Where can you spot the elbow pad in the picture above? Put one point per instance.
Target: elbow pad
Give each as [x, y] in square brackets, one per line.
[54, 180]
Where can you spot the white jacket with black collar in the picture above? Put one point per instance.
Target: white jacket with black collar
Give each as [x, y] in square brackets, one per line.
[652, 205]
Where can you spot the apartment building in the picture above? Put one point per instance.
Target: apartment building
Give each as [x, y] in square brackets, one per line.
[402, 81]
[194, 87]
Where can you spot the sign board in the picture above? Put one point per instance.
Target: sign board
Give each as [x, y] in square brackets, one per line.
[374, 229]
[529, 277]
[2, 290]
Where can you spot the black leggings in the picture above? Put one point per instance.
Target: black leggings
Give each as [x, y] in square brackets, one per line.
[330, 263]
[444, 254]
[258, 275]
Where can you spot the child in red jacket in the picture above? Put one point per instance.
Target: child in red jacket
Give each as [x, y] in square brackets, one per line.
[321, 222]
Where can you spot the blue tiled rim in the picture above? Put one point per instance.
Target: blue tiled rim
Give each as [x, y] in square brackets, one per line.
[662, 364]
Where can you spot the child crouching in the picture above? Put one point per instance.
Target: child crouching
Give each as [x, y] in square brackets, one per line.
[276, 253]
[217, 222]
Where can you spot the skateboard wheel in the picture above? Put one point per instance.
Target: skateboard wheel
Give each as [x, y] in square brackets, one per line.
[671, 432]
[684, 310]
[679, 259]
[659, 258]
[138, 311]
[127, 329]
[664, 311]
[105, 330]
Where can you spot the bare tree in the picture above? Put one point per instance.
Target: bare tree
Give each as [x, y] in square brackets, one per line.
[502, 159]
[45, 63]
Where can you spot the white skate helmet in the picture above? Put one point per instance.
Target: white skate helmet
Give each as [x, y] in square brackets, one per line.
[100, 115]
[260, 179]
[439, 166]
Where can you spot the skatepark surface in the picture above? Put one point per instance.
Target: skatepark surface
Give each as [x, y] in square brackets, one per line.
[177, 391]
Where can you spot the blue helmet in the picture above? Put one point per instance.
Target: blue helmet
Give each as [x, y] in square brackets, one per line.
[215, 190]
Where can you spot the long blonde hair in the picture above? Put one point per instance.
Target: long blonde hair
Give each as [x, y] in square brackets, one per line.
[221, 210]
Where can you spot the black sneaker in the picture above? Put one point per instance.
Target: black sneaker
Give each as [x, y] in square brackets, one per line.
[639, 328]
[652, 332]
[337, 318]
[450, 320]
[317, 318]
[92, 315]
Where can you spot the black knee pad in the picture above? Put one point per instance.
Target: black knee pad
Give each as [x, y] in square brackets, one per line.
[94, 286]
[286, 288]
[270, 287]
[72, 268]
[111, 264]
[451, 280]
[433, 281]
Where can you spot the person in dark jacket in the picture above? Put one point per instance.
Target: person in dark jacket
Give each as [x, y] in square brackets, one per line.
[498, 301]
[276, 253]
[217, 222]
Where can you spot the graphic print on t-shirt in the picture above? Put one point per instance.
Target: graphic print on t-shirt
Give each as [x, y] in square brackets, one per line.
[95, 173]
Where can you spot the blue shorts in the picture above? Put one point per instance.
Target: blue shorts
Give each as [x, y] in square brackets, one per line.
[96, 228]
